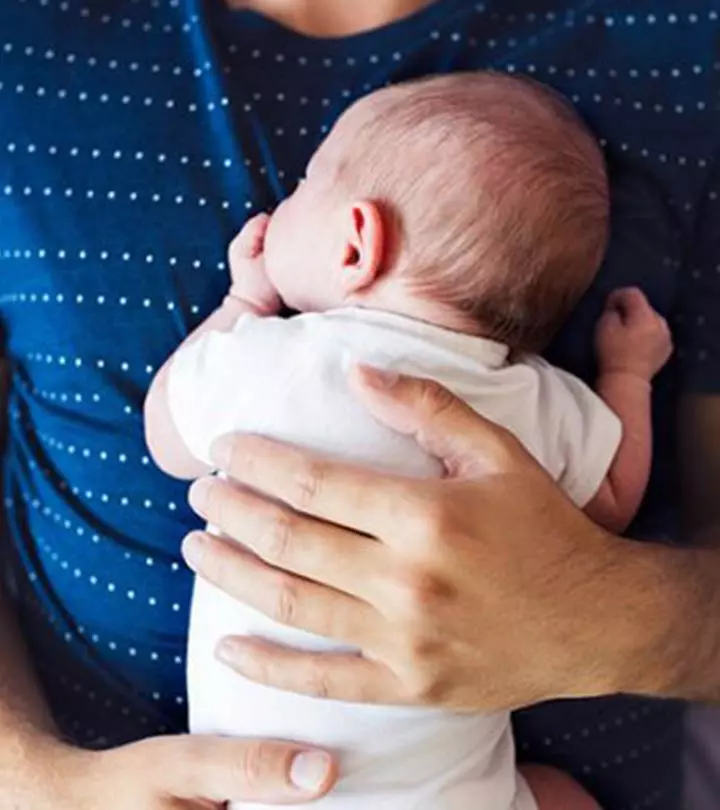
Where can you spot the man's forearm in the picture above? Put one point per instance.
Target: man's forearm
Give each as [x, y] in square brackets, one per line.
[672, 607]
[686, 597]
[25, 721]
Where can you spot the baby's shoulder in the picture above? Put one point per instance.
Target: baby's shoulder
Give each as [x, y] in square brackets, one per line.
[274, 333]
[548, 372]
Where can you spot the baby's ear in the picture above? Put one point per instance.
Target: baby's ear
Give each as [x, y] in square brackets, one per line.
[364, 246]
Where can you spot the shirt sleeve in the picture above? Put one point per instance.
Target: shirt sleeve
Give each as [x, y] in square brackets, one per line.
[208, 392]
[589, 436]
[697, 326]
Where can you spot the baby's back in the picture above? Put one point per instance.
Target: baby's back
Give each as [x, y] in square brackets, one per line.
[289, 380]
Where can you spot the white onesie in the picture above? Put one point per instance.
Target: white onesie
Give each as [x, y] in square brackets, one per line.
[287, 379]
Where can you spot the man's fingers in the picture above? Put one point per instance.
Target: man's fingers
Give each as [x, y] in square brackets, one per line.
[466, 443]
[282, 597]
[332, 676]
[224, 770]
[339, 493]
[322, 552]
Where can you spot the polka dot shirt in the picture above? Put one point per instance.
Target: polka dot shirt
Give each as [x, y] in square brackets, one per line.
[137, 137]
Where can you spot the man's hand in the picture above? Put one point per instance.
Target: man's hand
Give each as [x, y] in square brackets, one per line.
[250, 282]
[168, 773]
[486, 590]
[632, 338]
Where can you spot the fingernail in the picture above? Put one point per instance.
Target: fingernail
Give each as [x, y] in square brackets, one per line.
[199, 495]
[310, 771]
[192, 549]
[228, 651]
[221, 452]
[378, 378]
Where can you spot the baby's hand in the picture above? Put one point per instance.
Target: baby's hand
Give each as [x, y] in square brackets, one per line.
[250, 282]
[631, 337]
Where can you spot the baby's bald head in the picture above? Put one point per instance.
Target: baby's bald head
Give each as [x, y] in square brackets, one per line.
[495, 193]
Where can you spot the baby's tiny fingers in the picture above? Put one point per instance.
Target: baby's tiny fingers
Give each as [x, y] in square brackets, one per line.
[664, 328]
[629, 300]
[248, 243]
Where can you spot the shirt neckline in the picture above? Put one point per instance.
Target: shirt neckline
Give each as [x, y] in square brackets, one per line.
[440, 14]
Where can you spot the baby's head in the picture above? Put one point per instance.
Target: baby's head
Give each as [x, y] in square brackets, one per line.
[477, 201]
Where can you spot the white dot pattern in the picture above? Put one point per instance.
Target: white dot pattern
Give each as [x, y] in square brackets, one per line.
[137, 137]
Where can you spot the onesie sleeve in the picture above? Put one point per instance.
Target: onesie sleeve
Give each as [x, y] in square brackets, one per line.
[208, 388]
[589, 436]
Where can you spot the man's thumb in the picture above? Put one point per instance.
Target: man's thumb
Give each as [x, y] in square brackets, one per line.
[224, 770]
[443, 425]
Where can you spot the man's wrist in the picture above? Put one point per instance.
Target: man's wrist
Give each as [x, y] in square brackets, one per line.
[665, 634]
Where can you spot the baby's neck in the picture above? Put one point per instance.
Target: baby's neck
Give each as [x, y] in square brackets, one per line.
[419, 309]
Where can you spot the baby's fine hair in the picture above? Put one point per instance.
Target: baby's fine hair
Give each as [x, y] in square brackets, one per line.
[497, 194]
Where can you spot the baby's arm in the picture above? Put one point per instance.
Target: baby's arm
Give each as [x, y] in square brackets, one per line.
[251, 292]
[633, 344]
[620, 494]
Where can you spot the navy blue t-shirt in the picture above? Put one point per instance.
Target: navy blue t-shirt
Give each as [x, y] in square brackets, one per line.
[136, 138]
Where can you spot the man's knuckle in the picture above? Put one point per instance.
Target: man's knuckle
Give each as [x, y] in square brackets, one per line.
[308, 484]
[424, 649]
[253, 765]
[278, 536]
[284, 608]
[437, 398]
[316, 683]
[421, 592]
[422, 687]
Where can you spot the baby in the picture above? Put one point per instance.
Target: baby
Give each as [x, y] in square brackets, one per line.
[445, 228]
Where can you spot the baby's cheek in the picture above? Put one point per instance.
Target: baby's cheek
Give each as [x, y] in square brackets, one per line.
[280, 269]
[272, 247]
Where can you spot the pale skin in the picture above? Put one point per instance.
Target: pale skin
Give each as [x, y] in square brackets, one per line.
[672, 647]
[624, 379]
